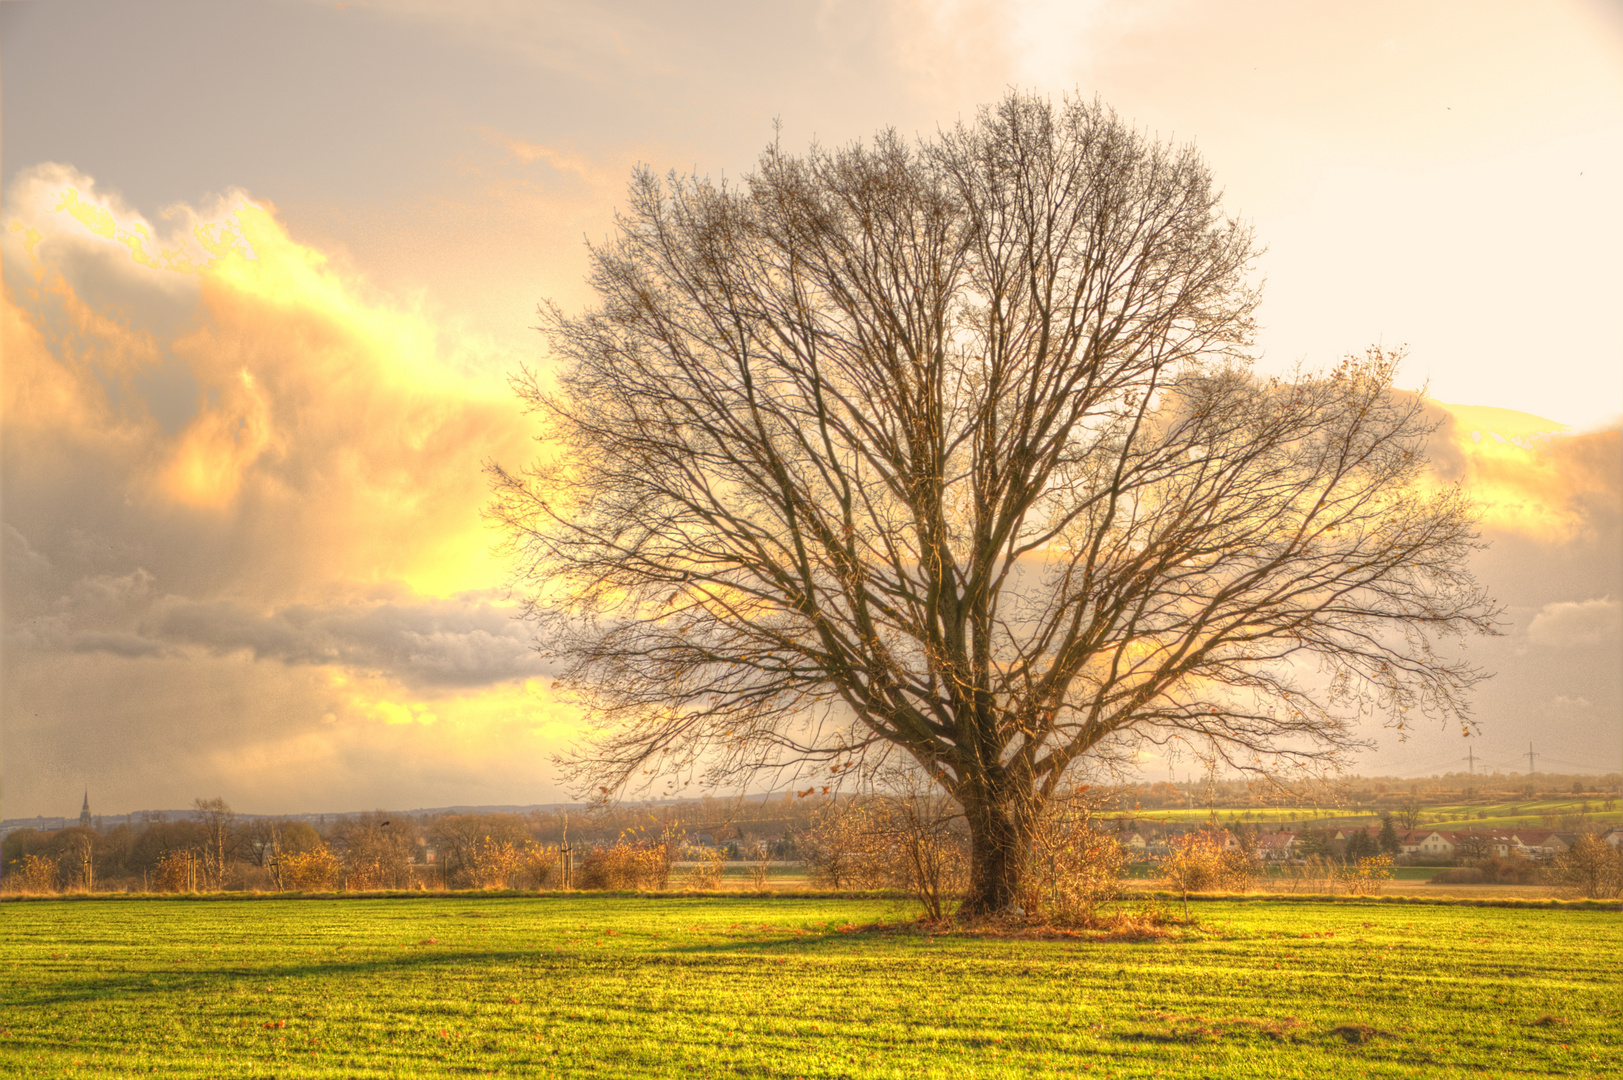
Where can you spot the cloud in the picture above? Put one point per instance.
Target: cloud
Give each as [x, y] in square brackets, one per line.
[330, 434]
[1568, 625]
[129, 646]
[432, 643]
[462, 641]
[243, 495]
[157, 732]
[1530, 476]
[559, 158]
[20, 556]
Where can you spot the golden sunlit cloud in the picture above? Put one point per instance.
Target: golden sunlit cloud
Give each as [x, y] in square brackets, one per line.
[1528, 475]
[355, 421]
[229, 458]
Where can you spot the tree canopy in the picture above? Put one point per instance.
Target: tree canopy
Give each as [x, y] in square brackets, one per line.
[953, 449]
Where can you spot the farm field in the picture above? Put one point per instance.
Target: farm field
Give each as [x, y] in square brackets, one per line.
[733, 986]
[1518, 814]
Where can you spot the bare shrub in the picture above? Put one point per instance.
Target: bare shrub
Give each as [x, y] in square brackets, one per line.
[1075, 867]
[312, 870]
[178, 870]
[1198, 862]
[1590, 867]
[934, 852]
[1491, 870]
[34, 874]
[504, 864]
[1366, 876]
[618, 866]
[639, 860]
[377, 852]
[540, 863]
[758, 868]
[460, 839]
[835, 848]
[706, 870]
[492, 864]
[911, 840]
[1314, 874]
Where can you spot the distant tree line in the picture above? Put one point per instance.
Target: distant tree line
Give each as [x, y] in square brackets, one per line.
[904, 838]
[215, 848]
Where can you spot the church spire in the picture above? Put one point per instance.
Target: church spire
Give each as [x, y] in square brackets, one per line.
[84, 815]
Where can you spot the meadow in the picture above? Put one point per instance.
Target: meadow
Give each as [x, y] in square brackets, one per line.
[789, 987]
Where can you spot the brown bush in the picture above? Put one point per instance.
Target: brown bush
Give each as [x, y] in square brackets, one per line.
[314, 870]
[1366, 876]
[1491, 871]
[706, 870]
[34, 874]
[376, 851]
[540, 863]
[1591, 867]
[493, 864]
[177, 871]
[840, 848]
[1074, 869]
[910, 841]
[1199, 863]
[619, 866]
[641, 859]
[1314, 874]
[464, 841]
[1511, 871]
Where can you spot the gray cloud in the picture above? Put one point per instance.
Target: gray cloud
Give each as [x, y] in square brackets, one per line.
[1567, 624]
[456, 642]
[127, 645]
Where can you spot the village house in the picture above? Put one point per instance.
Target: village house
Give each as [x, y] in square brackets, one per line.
[1497, 845]
[1275, 846]
[1429, 844]
[1540, 843]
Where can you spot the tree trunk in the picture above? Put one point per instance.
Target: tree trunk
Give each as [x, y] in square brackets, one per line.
[999, 840]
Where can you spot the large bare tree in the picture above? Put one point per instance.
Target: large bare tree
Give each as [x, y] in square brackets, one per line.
[952, 449]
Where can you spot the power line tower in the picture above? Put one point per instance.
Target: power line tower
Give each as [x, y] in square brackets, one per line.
[1530, 756]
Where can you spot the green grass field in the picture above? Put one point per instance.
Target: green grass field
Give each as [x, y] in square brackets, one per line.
[737, 986]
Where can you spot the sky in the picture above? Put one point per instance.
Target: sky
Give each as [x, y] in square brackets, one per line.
[268, 267]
